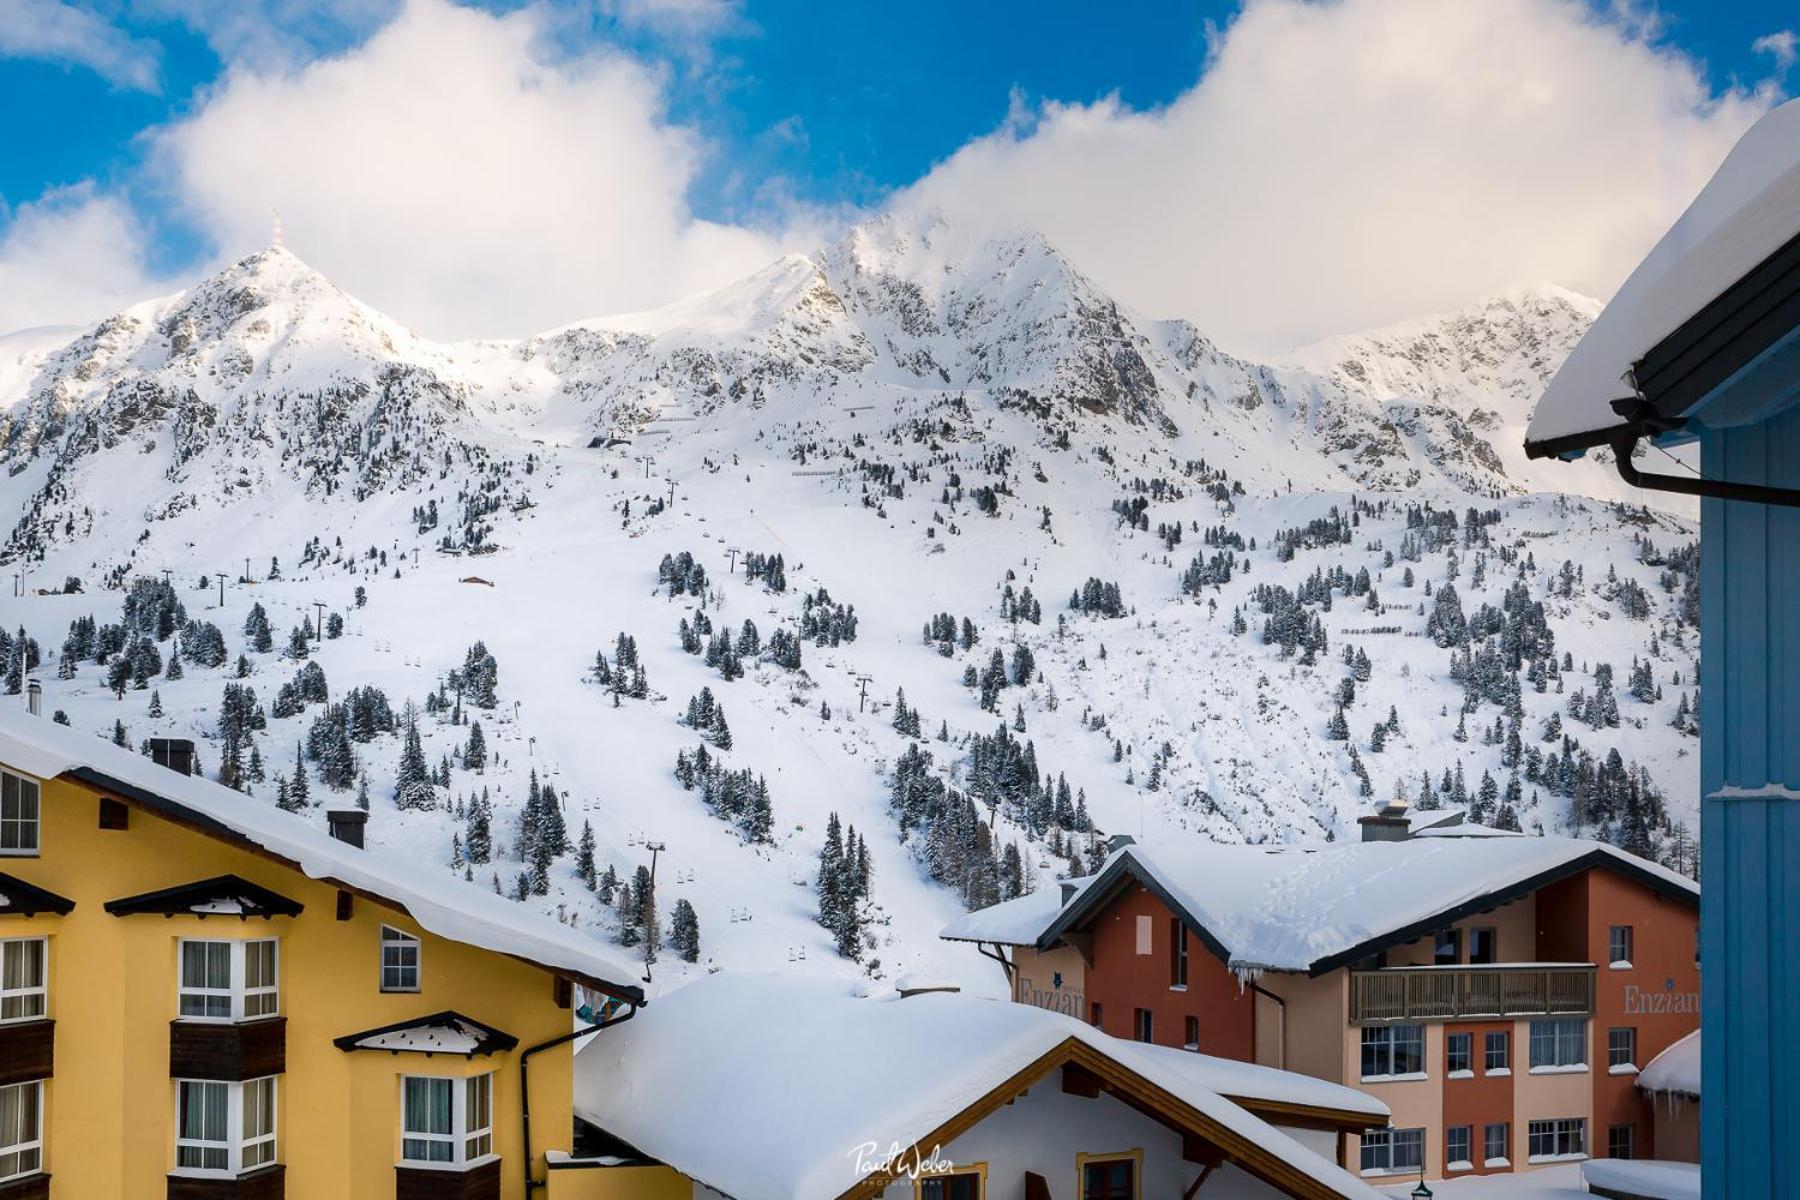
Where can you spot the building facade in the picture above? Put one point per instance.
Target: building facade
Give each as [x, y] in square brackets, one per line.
[1504, 1031]
[186, 1013]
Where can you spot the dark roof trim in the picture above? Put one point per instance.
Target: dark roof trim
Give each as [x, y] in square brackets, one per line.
[1114, 880]
[183, 899]
[28, 900]
[490, 1041]
[1725, 336]
[1593, 859]
[1573, 444]
[183, 815]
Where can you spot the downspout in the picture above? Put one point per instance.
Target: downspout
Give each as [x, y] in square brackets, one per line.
[1644, 421]
[631, 1011]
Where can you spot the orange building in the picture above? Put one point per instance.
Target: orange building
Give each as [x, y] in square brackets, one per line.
[1497, 992]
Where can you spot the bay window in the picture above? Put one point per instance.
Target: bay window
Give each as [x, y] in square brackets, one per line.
[224, 1128]
[21, 1130]
[229, 980]
[446, 1122]
[23, 995]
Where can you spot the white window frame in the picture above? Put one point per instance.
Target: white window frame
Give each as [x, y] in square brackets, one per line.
[1466, 1160]
[31, 1142]
[1487, 1052]
[1561, 1035]
[464, 1134]
[1488, 1157]
[1467, 1039]
[18, 823]
[1628, 1064]
[238, 996]
[1382, 1140]
[1558, 1130]
[40, 993]
[1619, 948]
[237, 1144]
[1372, 1034]
[400, 941]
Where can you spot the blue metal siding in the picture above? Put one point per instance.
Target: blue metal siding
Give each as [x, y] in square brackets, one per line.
[1750, 723]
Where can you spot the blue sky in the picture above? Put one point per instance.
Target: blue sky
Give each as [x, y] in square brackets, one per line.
[792, 115]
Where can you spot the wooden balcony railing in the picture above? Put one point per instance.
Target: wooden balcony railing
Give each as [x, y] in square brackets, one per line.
[1471, 993]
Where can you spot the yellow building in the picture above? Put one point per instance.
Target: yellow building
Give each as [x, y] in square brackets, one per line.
[204, 997]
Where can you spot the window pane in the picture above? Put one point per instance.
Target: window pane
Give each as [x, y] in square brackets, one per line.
[202, 1111]
[428, 1106]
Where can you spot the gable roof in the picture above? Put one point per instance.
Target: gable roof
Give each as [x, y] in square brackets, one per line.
[441, 903]
[444, 1032]
[222, 895]
[679, 1082]
[1291, 908]
[21, 899]
[1744, 217]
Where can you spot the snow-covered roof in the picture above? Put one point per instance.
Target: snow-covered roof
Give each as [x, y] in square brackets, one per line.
[1468, 829]
[441, 903]
[1675, 1070]
[679, 1082]
[1291, 908]
[439, 1033]
[1009, 923]
[1749, 210]
[1652, 1179]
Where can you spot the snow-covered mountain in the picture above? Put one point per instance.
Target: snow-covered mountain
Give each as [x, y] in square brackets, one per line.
[942, 434]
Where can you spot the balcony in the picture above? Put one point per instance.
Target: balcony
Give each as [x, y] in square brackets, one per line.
[1465, 993]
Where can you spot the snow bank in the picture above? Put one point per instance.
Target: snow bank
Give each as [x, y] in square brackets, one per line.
[441, 903]
[1749, 209]
[1649, 1178]
[1676, 1069]
[680, 1082]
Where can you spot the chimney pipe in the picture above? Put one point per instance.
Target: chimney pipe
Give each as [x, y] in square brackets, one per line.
[346, 825]
[177, 754]
[34, 698]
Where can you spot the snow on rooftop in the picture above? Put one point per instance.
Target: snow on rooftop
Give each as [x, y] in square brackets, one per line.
[1676, 1070]
[1650, 1178]
[1009, 923]
[1749, 209]
[438, 901]
[674, 1081]
[1285, 908]
[449, 1037]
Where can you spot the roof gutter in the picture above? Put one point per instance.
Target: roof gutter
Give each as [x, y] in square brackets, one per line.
[532, 1184]
[1642, 420]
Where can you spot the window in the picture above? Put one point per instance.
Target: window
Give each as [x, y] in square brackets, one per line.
[1109, 1176]
[1496, 1144]
[446, 1120]
[399, 960]
[1459, 1053]
[1393, 1151]
[1192, 1040]
[1484, 945]
[22, 992]
[1145, 931]
[229, 980]
[1448, 950]
[224, 1128]
[1458, 1148]
[1618, 945]
[1497, 1054]
[1178, 954]
[21, 1129]
[1094, 1013]
[958, 1183]
[1143, 1025]
[1565, 1137]
[1621, 1048]
[1621, 1141]
[18, 814]
[1393, 1050]
[1558, 1044]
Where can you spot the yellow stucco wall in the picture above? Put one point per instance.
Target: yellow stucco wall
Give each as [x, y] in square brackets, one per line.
[620, 1183]
[109, 1129]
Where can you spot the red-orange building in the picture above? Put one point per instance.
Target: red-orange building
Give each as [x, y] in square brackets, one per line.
[1498, 993]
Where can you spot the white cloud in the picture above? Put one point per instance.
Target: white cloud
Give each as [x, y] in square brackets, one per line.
[69, 258]
[447, 175]
[58, 32]
[1782, 47]
[1342, 165]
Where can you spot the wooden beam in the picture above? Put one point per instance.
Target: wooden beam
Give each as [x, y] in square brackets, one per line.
[1199, 1179]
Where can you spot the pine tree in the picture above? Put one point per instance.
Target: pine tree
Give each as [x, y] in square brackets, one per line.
[298, 791]
[584, 857]
[684, 931]
[648, 923]
[412, 781]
